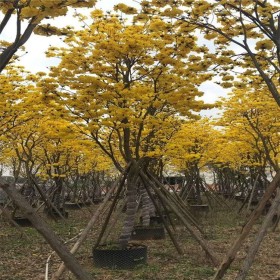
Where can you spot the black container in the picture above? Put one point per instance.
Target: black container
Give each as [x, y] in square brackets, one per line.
[53, 213]
[200, 208]
[22, 221]
[115, 257]
[72, 205]
[156, 220]
[97, 200]
[148, 233]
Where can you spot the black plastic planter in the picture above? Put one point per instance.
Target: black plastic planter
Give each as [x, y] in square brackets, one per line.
[115, 257]
[200, 208]
[156, 220]
[97, 200]
[22, 221]
[72, 205]
[148, 233]
[53, 213]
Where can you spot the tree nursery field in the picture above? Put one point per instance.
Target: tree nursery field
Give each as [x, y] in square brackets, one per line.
[24, 252]
[146, 146]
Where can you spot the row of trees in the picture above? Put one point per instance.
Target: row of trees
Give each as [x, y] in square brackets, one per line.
[45, 139]
[155, 62]
[126, 93]
[133, 116]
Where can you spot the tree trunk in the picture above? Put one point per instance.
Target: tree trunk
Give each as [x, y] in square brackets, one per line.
[8, 52]
[53, 240]
[57, 198]
[252, 193]
[145, 206]
[131, 204]
[48, 202]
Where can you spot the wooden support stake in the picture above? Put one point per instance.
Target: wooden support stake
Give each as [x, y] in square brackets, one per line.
[257, 242]
[195, 234]
[42, 227]
[87, 229]
[172, 237]
[230, 256]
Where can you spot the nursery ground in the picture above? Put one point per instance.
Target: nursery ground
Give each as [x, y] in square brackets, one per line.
[23, 253]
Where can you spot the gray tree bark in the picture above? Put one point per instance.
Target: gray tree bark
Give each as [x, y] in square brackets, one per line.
[131, 204]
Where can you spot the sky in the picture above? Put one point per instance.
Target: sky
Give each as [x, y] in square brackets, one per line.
[36, 46]
[34, 60]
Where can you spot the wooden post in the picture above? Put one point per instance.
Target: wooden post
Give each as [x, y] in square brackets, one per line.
[181, 207]
[112, 207]
[195, 235]
[257, 242]
[230, 256]
[252, 193]
[172, 237]
[85, 232]
[42, 227]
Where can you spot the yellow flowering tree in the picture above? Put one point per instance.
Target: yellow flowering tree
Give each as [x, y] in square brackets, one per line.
[252, 115]
[127, 86]
[252, 119]
[127, 81]
[244, 34]
[188, 151]
[15, 102]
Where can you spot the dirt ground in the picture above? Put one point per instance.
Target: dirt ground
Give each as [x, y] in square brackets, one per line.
[24, 253]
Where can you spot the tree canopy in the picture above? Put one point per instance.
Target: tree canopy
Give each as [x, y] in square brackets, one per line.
[126, 93]
[127, 84]
[245, 35]
[29, 15]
